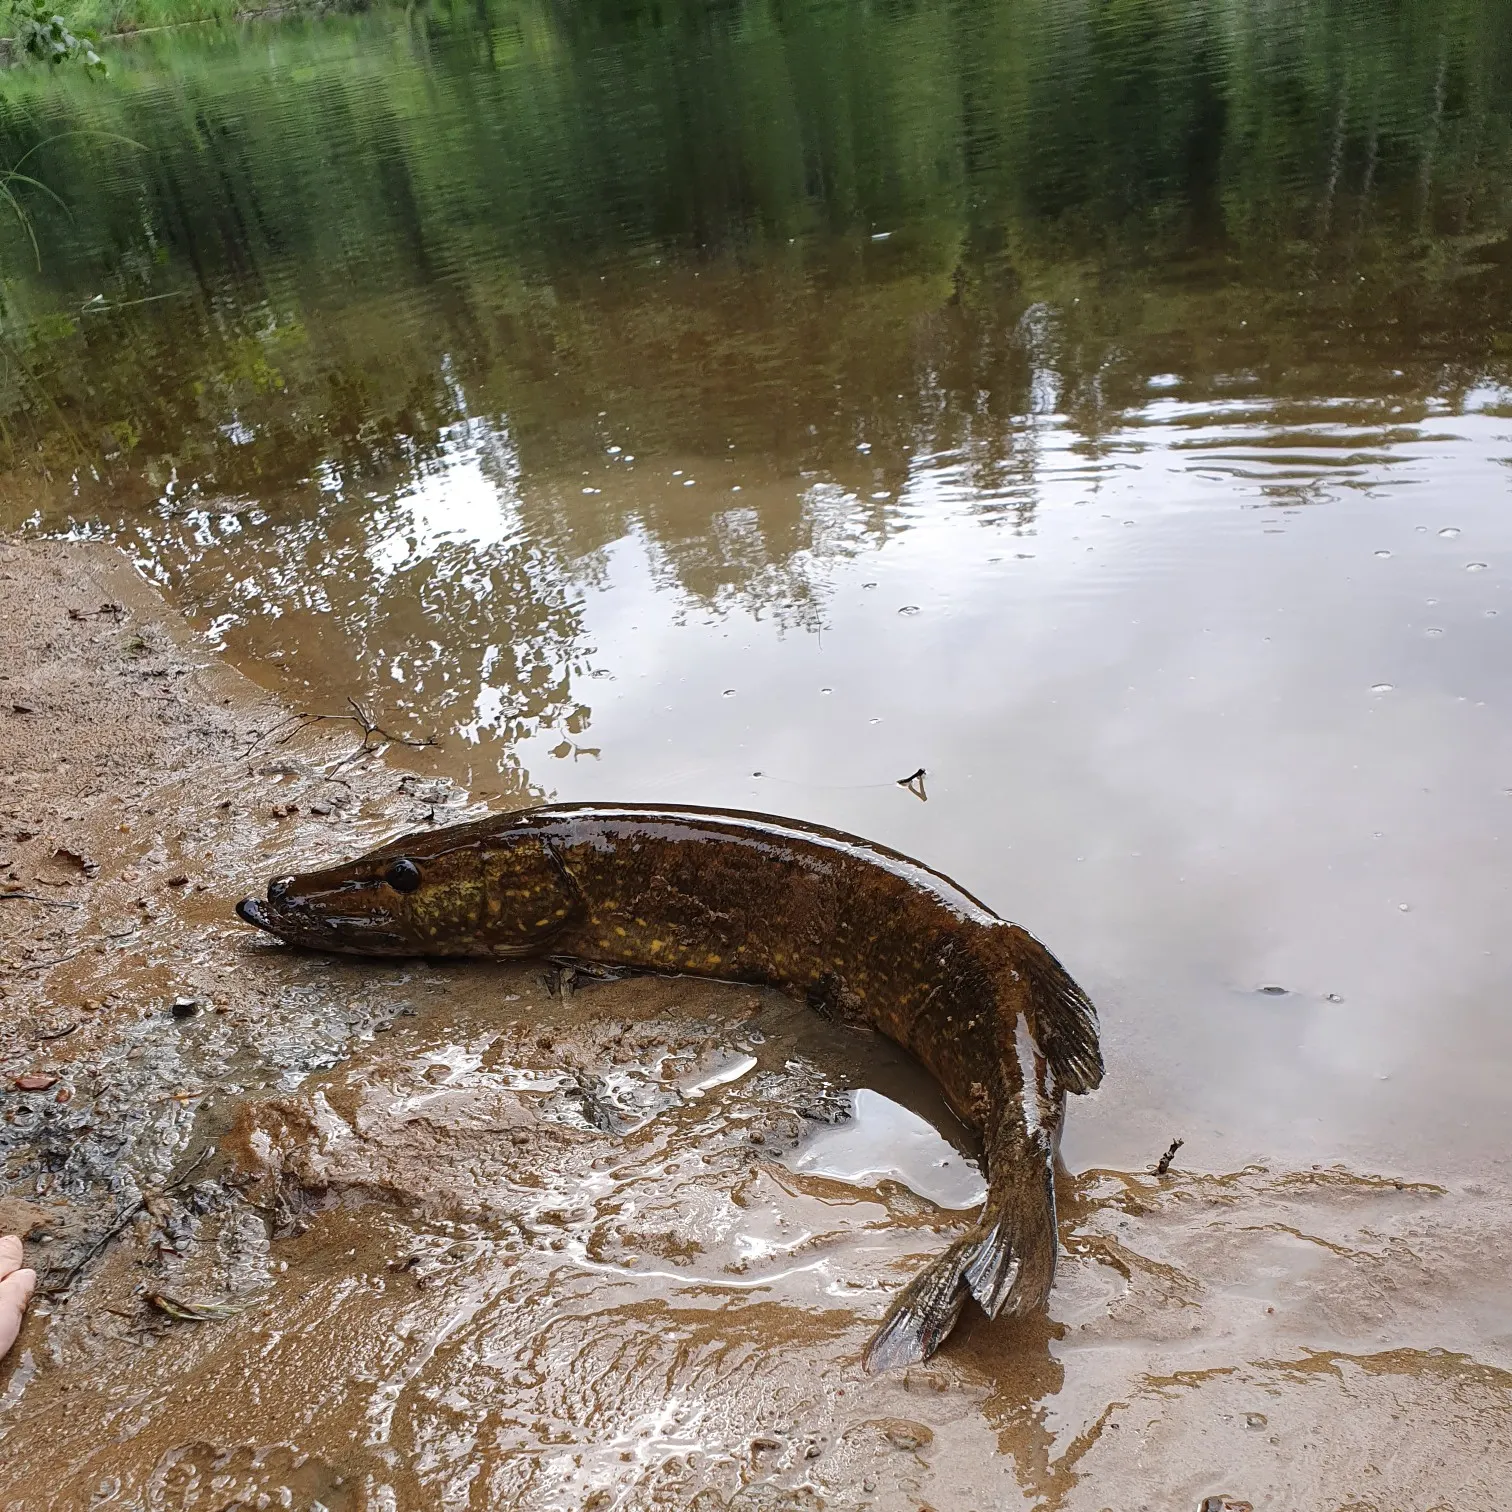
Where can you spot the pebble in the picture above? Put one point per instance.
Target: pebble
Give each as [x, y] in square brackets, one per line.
[185, 1007]
[35, 1081]
[910, 1437]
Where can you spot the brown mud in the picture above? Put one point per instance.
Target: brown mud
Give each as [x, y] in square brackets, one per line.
[351, 1234]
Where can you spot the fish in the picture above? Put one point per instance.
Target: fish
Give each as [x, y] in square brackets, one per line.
[863, 933]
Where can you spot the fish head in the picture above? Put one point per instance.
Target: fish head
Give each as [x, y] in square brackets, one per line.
[442, 893]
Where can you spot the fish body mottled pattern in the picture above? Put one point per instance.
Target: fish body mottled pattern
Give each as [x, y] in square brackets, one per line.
[862, 933]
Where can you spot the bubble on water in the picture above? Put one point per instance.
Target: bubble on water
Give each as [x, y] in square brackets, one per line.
[1404, 908]
[1475, 566]
[909, 609]
[1449, 532]
[687, 482]
[1333, 997]
[826, 690]
[1383, 553]
[677, 472]
[1433, 630]
[878, 720]
[1420, 530]
[614, 451]
[1271, 990]
[1382, 687]
[882, 494]
[1490, 614]
[868, 585]
[729, 693]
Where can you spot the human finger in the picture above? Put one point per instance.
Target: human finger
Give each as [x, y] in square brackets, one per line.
[15, 1293]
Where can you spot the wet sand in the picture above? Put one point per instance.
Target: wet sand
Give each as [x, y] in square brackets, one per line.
[392, 1235]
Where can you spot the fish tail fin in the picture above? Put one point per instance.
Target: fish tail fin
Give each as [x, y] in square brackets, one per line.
[1014, 1269]
[924, 1312]
[1006, 1261]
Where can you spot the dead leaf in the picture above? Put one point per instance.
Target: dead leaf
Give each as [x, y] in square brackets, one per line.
[194, 1312]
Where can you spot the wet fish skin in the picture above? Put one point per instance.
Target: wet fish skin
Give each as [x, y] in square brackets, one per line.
[861, 932]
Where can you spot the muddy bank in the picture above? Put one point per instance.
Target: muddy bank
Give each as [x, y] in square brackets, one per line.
[384, 1235]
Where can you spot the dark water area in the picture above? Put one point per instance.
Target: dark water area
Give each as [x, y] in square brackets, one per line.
[1105, 408]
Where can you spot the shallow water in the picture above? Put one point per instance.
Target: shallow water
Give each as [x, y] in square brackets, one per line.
[1104, 410]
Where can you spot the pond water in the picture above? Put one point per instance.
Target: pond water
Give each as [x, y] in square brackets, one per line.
[1106, 409]
[1103, 410]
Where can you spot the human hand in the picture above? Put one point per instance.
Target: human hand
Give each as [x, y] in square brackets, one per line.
[16, 1283]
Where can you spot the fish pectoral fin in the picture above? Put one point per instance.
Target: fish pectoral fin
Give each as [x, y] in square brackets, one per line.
[566, 974]
[1061, 1016]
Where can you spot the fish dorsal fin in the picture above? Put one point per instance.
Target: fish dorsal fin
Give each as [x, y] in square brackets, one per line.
[1061, 1016]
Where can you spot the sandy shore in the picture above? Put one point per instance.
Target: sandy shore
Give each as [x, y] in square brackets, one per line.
[369, 1235]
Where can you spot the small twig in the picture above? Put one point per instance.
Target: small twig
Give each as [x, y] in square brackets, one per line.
[373, 734]
[1164, 1164]
[53, 961]
[125, 934]
[26, 897]
[262, 735]
[369, 729]
[915, 785]
[173, 1184]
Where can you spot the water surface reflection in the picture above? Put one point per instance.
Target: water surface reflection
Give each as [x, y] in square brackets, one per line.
[869, 409]
[1106, 409]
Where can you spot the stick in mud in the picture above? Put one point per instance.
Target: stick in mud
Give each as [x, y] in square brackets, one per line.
[171, 1185]
[26, 897]
[359, 716]
[1164, 1164]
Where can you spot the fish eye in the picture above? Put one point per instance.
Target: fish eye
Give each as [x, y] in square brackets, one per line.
[403, 876]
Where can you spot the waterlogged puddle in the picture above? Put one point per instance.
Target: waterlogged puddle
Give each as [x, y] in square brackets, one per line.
[726, 1068]
[882, 1141]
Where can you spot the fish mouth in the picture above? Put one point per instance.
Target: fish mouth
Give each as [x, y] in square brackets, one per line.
[256, 913]
[298, 924]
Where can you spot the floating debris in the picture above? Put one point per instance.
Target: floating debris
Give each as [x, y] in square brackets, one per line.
[914, 782]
